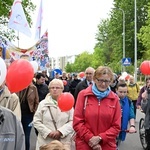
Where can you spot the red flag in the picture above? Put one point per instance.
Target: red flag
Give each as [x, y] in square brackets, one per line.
[18, 19]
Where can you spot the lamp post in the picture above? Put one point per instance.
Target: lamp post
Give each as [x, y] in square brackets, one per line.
[123, 34]
[135, 41]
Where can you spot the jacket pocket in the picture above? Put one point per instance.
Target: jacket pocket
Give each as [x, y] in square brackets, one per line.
[112, 144]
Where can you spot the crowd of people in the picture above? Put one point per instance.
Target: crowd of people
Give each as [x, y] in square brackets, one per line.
[104, 109]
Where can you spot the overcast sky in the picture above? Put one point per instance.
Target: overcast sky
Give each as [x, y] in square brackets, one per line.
[72, 25]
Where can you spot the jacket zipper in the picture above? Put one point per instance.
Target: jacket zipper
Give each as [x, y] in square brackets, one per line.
[98, 115]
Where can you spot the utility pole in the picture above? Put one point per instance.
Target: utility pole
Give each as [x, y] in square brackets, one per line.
[135, 41]
[123, 34]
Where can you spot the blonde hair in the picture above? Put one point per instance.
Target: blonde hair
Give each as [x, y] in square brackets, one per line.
[101, 70]
[56, 81]
[55, 145]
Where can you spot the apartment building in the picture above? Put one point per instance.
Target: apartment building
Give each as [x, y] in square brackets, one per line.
[61, 62]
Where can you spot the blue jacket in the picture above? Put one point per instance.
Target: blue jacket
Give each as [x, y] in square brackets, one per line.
[127, 114]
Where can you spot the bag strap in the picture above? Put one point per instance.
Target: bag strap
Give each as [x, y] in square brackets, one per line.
[54, 122]
[24, 94]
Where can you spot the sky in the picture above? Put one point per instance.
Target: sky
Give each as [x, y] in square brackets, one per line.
[71, 24]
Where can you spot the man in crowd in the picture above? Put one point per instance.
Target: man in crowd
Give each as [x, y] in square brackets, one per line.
[73, 84]
[89, 72]
[41, 86]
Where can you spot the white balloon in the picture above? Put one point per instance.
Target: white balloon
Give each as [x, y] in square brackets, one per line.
[34, 65]
[3, 71]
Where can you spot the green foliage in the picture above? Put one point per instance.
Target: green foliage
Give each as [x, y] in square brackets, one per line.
[69, 67]
[82, 61]
[110, 37]
[144, 36]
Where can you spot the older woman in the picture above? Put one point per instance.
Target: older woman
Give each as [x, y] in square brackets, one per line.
[97, 116]
[50, 121]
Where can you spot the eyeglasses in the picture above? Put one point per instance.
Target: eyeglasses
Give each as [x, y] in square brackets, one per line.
[103, 81]
[57, 88]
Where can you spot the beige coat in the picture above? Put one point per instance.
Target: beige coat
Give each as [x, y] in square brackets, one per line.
[10, 101]
[43, 122]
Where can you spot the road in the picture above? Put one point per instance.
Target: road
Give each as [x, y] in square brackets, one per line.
[132, 141]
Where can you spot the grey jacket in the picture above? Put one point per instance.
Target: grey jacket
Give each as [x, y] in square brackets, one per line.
[145, 105]
[11, 131]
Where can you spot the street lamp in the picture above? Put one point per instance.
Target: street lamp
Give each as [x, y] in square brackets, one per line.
[135, 41]
[123, 34]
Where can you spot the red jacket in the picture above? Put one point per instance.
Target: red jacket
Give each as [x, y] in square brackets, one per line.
[97, 119]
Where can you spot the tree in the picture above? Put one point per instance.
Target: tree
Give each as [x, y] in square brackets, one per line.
[144, 36]
[5, 9]
[69, 67]
[82, 61]
[109, 36]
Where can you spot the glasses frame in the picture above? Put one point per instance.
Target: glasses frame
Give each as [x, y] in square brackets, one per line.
[103, 81]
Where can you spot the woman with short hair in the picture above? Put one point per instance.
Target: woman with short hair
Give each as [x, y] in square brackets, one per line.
[50, 121]
[97, 116]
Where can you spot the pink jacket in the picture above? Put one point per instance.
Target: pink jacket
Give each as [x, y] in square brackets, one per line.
[97, 119]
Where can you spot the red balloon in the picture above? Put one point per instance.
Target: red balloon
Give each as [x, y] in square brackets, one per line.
[64, 82]
[81, 74]
[127, 77]
[145, 67]
[65, 101]
[19, 75]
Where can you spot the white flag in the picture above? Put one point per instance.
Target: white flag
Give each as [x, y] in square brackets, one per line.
[18, 19]
[39, 22]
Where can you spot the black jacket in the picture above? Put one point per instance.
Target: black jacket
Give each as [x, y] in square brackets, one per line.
[73, 85]
[82, 85]
[42, 91]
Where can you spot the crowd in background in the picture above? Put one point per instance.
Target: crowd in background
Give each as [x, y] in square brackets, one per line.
[100, 96]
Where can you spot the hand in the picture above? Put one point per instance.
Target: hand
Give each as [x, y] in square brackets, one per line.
[144, 95]
[55, 134]
[139, 107]
[94, 141]
[97, 147]
[132, 130]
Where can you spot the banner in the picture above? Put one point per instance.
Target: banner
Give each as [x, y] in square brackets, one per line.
[41, 55]
[38, 52]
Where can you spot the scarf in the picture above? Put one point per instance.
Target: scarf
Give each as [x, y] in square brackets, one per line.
[100, 94]
[125, 107]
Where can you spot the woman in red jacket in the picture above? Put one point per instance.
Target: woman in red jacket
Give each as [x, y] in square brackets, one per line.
[97, 116]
